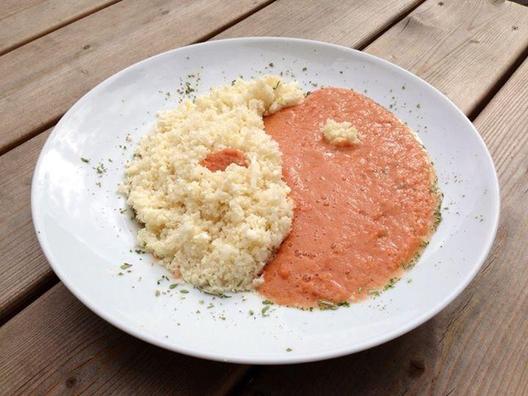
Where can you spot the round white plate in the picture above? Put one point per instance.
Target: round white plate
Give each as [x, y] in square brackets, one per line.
[86, 238]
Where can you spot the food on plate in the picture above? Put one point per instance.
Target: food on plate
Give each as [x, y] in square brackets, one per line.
[207, 185]
[313, 201]
[340, 133]
[363, 212]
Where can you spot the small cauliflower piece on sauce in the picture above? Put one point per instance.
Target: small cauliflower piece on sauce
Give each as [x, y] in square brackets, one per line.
[340, 133]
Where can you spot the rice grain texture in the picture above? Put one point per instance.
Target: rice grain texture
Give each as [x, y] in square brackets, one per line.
[216, 228]
[340, 133]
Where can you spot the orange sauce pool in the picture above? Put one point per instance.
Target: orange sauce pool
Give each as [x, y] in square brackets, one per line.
[362, 212]
[220, 160]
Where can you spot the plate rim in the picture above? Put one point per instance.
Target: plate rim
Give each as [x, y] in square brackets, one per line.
[282, 359]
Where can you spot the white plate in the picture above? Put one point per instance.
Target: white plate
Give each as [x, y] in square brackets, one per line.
[86, 238]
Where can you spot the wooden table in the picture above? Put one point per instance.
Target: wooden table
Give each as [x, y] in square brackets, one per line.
[54, 51]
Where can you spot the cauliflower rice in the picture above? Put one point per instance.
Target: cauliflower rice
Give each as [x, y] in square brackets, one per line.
[217, 229]
[340, 133]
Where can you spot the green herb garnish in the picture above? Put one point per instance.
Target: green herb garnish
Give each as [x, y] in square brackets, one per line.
[100, 169]
[324, 305]
[265, 310]
[391, 283]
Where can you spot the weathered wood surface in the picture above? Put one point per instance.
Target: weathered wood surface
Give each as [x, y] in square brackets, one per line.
[345, 22]
[58, 346]
[70, 61]
[478, 344]
[24, 20]
[467, 49]
[463, 48]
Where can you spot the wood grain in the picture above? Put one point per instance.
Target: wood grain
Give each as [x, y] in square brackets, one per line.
[68, 62]
[478, 344]
[58, 346]
[345, 22]
[461, 47]
[24, 268]
[23, 21]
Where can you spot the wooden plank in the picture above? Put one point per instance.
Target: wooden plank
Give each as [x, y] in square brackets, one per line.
[68, 62]
[24, 268]
[346, 22]
[477, 345]
[58, 346]
[461, 47]
[23, 21]
[19, 276]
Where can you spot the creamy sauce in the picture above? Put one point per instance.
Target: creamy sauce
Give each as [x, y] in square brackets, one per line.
[220, 160]
[362, 212]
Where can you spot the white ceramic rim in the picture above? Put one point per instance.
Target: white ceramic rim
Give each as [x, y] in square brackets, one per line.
[425, 316]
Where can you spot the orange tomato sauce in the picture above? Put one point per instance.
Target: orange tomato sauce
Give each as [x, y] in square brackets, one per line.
[220, 160]
[362, 212]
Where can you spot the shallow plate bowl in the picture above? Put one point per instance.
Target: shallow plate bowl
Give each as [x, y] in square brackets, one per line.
[87, 233]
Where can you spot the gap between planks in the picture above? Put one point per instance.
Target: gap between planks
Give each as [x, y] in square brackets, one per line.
[481, 105]
[44, 12]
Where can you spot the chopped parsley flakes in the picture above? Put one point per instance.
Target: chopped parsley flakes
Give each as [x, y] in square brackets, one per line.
[327, 305]
[265, 310]
[391, 283]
